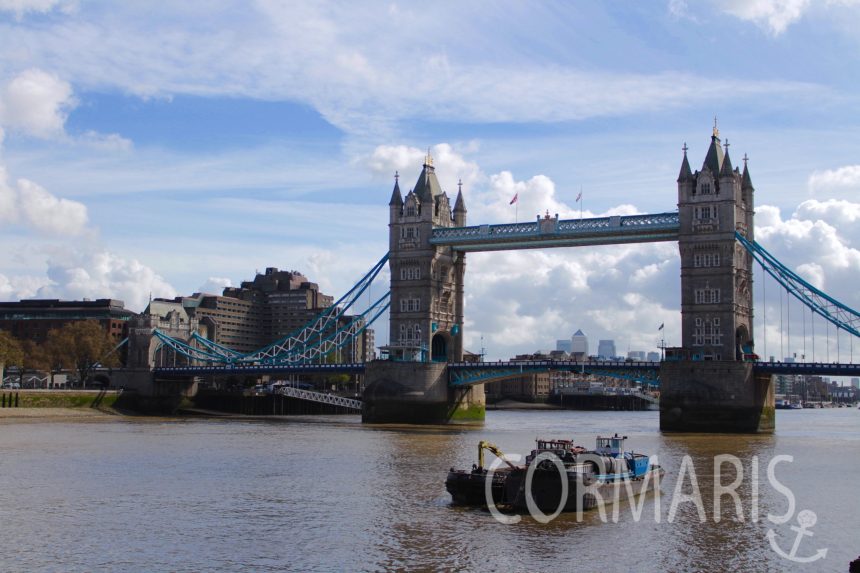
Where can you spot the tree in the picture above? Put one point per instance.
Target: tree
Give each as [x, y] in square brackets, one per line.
[10, 352]
[54, 354]
[83, 346]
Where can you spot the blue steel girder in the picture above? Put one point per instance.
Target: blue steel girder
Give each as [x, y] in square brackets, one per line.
[807, 368]
[470, 373]
[181, 372]
[819, 302]
[564, 233]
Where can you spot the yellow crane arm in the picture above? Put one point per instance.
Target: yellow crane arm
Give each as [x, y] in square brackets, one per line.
[482, 445]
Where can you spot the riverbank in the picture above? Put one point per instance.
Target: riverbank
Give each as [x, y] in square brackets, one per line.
[20, 405]
[11, 415]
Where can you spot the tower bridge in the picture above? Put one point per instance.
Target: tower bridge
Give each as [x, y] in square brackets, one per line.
[710, 383]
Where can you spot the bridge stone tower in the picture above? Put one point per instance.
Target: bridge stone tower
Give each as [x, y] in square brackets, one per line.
[716, 271]
[426, 316]
[706, 384]
[426, 313]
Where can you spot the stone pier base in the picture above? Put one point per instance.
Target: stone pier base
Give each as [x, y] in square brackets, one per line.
[418, 393]
[715, 396]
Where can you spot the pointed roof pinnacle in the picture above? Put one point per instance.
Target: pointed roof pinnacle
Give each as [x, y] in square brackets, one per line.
[686, 173]
[427, 187]
[714, 158]
[396, 197]
[726, 169]
[460, 203]
[747, 181]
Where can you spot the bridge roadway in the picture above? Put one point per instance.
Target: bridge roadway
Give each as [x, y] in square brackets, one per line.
[565, 233]
[471, 373]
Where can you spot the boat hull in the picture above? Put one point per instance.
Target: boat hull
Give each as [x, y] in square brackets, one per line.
[584, 492]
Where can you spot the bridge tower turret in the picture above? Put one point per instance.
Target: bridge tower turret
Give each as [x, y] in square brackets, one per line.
[426, 316]
[716, 272]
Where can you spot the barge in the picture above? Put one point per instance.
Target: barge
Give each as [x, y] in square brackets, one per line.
[557, 475]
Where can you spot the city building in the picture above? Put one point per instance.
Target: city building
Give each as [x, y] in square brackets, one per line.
[565, 345]
[269, 308]
[528, 387]
[606, 349]
[637, 355]
[579, 343]
[653, 357]
[33, 319]
[855, 383]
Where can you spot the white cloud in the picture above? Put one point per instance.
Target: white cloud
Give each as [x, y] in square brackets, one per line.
[30, 205]
[772, 15]
[215, 285]
[102, 274]
[451, 166]
[20, 287]
[835, 179]
[36, 103]
[21, 7]
[48, 213]
[364, 82]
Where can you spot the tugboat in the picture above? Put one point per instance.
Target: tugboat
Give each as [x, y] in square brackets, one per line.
[593, 476]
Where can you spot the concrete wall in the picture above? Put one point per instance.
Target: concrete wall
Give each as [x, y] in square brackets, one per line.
[417, 393]
[715, 396]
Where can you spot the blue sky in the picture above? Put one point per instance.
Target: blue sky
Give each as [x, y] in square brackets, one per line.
[182, 148]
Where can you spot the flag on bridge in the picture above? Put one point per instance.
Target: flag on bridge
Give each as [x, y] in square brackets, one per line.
[516, 197]
[578, 197]
[661, 326]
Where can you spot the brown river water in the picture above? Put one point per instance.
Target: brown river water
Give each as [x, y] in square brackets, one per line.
[329, 494]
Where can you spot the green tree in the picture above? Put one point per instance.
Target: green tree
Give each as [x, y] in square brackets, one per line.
[10, 352]
[83, 346]
[55, 356]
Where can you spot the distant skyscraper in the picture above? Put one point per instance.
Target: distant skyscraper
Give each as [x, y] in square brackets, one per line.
[579, 343]
[606, 349]
[653, 357]
[565, 345]
[637, 355]
[855, 382]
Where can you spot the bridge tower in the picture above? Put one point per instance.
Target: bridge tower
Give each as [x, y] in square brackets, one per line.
[426, 313]
[716, 271]
[706, 384]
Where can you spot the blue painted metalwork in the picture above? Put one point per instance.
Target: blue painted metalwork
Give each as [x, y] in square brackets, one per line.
[182, 372]
[810, 368]
[820, 303]
[321, 336]
[565, 233]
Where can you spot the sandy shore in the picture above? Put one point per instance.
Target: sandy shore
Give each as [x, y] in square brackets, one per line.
[9, 415]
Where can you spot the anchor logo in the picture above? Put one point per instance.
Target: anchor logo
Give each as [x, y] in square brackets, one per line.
[805, 520]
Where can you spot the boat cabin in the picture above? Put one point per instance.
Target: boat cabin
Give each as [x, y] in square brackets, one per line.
[613, 446]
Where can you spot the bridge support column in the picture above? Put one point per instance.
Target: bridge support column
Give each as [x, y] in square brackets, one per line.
[715, 396]
[418, 393]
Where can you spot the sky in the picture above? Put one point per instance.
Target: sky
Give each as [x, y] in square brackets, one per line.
[163, 152]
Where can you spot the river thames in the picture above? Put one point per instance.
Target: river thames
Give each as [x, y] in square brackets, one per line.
[329, 494]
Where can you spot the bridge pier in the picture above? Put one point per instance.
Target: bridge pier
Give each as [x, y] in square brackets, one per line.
[715, 397]
[418, 393]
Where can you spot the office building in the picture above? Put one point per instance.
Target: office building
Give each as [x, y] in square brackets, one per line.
[606, 349]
